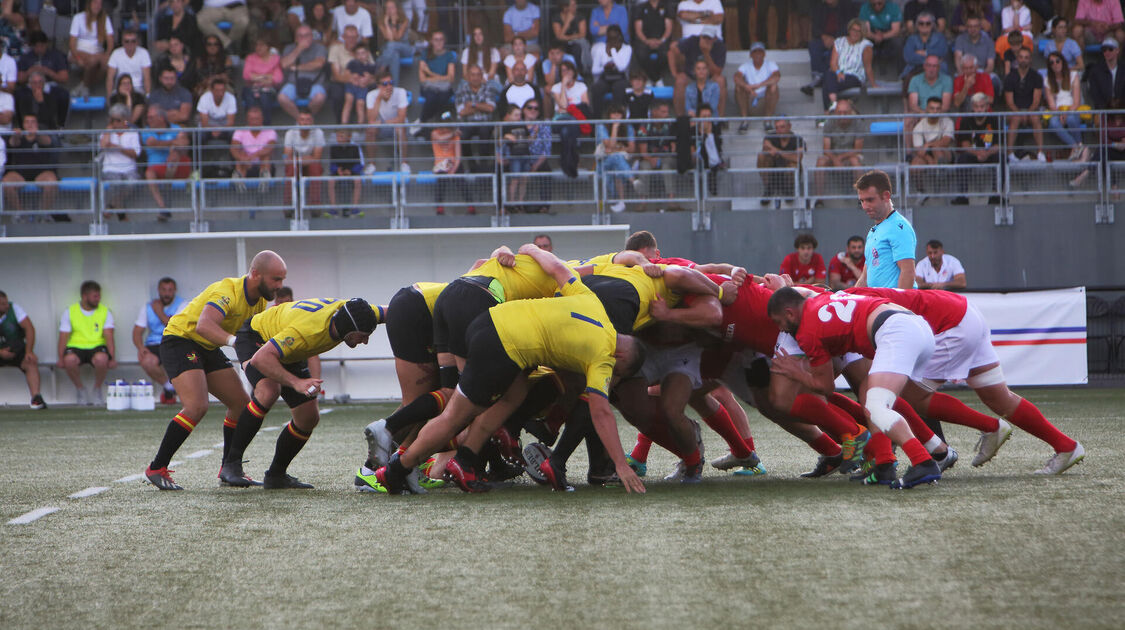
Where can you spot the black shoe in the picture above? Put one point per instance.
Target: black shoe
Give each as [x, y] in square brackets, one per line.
[926, 472]
[808, 89]
[824, 466]
[231, 474]
[284, 482]
[881, 475]
[960, 201]
[945, 462]
[392, 476]
[37, 402]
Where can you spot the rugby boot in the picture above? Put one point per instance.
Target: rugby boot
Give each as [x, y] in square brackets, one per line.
[927, 472]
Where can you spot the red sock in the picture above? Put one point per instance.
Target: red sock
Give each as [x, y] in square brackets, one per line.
[915, 451]
[659, 434]
[828, 417]
[826, 446]
[721, 423]
[749, 442]
[917, 425]
[641, 448]
[1028, 417]
[693, 458]
[948, 409]
[879, 448]
[851, 407]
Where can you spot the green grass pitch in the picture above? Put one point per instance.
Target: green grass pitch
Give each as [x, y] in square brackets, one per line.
[993, 547]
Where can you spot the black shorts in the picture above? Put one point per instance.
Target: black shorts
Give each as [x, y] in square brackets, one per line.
[247, 342]
[489, 371]
[758, 374]
[86, 355]
[178, 355]
[16, 360]
[155, 349]
[457, 306]
[620, 298]
[410, 327]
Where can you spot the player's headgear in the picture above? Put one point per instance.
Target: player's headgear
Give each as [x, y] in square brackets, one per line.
[355, 315]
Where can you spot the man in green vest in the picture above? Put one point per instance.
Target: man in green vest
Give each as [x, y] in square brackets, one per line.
[17, 346]
[86, 336]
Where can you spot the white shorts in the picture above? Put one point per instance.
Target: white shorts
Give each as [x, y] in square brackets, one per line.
[966, 346]
[903, 344]
[786, 342]
[660, 361]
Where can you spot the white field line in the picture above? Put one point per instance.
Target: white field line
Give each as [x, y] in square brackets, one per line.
[268, 429]
[32, 516]
[88, 492]
[202, 453]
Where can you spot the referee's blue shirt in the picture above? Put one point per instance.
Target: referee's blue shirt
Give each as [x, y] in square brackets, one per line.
[887, 243]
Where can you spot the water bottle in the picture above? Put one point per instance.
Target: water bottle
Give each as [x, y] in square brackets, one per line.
[117, 396]
[140, 396]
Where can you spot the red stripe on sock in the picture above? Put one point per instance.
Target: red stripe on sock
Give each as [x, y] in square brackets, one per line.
[917, 426]
[1028, 417]
[440, 400]
[185, 421]
[721, 423]
[830, 418]
[295, 432]
[256, 410]
[949, 409]
[915, 451]
[230, 422]
[825, 445]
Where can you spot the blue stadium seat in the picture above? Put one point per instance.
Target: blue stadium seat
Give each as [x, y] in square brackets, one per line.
[31, 188]
[218, 184]
[663, 93]
[76, 184]
[425, 177]
[87, 104]
[386, 177]
[406, 62]
[224, 26]
[302, 102]
[886, 128]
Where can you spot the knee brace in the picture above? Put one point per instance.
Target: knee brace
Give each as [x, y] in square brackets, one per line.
[879, 403]
[995, 376]
[448, 376]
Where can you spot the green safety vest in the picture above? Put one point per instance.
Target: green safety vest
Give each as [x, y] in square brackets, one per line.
[87, 331]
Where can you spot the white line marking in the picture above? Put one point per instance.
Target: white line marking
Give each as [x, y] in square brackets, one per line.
[203, 453]
[219, 445]
[32, 516]
[130, 478]
[88, 492]
[173, 464]
[271, 429]
[325, 412]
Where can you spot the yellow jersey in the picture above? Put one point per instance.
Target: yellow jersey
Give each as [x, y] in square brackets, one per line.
[571, 332]
[603, 259]
[228, 296]
[430, 292]
[525, 281]
[299, 330]
[647, 289]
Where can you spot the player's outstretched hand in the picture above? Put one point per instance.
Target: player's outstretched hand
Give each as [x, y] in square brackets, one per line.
[629, 479]
[309, 386]
[658, 308]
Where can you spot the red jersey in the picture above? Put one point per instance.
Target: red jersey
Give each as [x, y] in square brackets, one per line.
[942, 310]
[747, 324]
[837, 266]
[833, 324]
[682, 262]
[815, 269]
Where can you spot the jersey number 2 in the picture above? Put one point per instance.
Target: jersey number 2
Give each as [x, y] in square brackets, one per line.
[843, 310]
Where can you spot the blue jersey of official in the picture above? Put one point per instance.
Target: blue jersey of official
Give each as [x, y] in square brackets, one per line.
[152, 322]
[887, 243]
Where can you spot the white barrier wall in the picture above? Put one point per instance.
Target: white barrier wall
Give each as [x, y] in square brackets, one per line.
[43, 276]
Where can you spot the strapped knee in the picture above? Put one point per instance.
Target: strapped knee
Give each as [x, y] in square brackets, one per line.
[995, 376]
[448, 376]
[879, 403]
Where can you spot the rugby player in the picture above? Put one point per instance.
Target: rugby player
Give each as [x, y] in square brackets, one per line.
[189, 351]
[274, 348]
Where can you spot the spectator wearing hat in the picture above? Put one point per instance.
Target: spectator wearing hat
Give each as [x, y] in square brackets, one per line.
[755, 86]
[1105, 79]
[707, 49]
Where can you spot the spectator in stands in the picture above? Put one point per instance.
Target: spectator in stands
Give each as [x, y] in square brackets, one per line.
[252, 149]
[9, 72]
[232, 11]
[781, 149]
[709, 152]
[515, 158]
[652, 33]
[394, 28]
[702, 90]
[132, 59]
[804, 266]
[1096, 20]
[615, 149]
[120, 147]
[483, 55]
[181, 62]
[971, 82]
[518, 91]
[176, 22]
[213, 63]
[174, 99]
[1015, 17]
[611, 68]
[345, 159]
[303, 149]
[926, 42]
[1008, 45]
[32, 157]
[608, 13]
[167, 153]
[543, 242]
[361, 71]
[697, 16]
[261, 78]
[1113, 135]
[1105, 80]
[445, 143]
[912, 9]
[86, 336]
[539, 145]
[17, 346]
[386, 105]
[522, 20]
[638, 98]
[476, 103]
[520, 53]
[569, 30]
[1023, 92]
[882, 25]
[973, 8]
[132, 99]
[1064, 93]
[435, 74]
[979, 142]
[153, 317]
[849, 66]
[319, 19]
[755, 87]
[304, 64]
[568, 91]
[976, 42]
[939, 270]
[349, 13]
[829, 22]
[550, 67]
[932, 140]
[7, 110]
[52, 65]
[34, 99]
[930, 83]
[217, 107]
[843, 143]
[656, 148]
[845, 267]
[91, 39]
[1060, 42]
[341, 53]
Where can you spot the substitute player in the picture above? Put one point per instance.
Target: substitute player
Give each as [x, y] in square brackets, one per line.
[17, 346]
[153, 317]
[190, 353]
[274, 348]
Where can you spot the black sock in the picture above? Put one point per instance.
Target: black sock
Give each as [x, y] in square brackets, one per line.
[249, 422]
[395, 467]
[174, 437]
[228, 435]
[421, 409]
[577, 427]
[935, 426]
[467, 457]
[289, 443]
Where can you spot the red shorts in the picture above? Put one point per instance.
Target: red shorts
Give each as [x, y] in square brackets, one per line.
[183, 169]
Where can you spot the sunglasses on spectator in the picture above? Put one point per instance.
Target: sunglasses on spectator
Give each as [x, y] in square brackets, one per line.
[387, 83]
[130, 41]
[927, 23]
